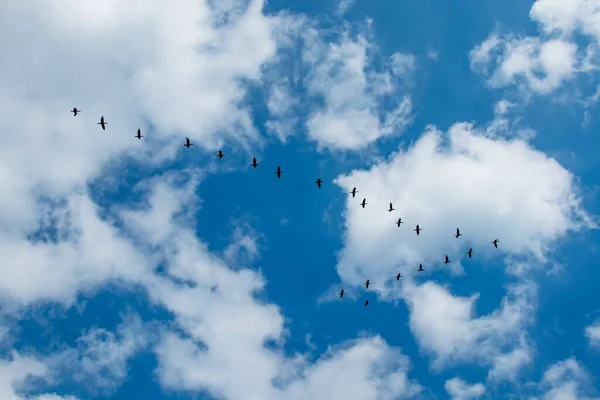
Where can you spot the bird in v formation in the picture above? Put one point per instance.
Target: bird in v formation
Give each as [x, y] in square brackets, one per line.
[319, 182]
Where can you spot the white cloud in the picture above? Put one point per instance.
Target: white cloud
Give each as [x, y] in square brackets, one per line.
[16, 375]
[344, 6]
[366, 368]
[565, 17]
[87, 253]
[502, 107]
[445, 326]
[592, 333]
[490, 188]
[350, 93]
[566, 380]
[461, 390]
[403, 64]
[282, 104]
[335, 376]
[544, 63]
[99, 362]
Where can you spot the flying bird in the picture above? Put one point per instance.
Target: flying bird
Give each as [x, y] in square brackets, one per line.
[391, 208]
[470, 252]
[398, 276]
[447, 261]
[420, 267]
[318, 182]
[278, 172]
[254, 163]
[399, 222]
[367, 283]
[102, 123]
[354, 191]
[342, 293]
[75, 111]
[417, 229]
[188, 143]
[220, 154]
[139, 134]
[364, 203]
[495, 242]
[366, 303]
[457, 233]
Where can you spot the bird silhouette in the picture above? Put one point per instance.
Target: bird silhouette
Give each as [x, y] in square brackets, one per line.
[417, 229]
[495, 242]
[103, 123]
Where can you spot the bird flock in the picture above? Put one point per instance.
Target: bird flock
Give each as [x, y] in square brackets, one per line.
[319, 182]
[418, 230]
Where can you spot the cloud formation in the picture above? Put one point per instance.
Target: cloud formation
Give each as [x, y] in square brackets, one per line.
[592, 333]
[545, 63]
[567, 380]
[461, 390]
[346, 89]
[490, 188]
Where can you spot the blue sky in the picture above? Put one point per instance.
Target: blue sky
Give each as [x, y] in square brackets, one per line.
[140, 269]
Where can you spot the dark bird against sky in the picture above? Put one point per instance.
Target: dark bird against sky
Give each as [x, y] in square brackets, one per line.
[102, 123]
